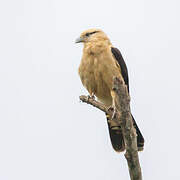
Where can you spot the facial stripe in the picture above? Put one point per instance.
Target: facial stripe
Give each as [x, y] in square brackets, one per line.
[90, 33]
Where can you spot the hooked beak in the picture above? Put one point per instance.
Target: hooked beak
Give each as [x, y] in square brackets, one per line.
[78, 40]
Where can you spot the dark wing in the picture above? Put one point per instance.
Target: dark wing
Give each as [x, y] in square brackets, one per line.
[124, 72]
[121, 62]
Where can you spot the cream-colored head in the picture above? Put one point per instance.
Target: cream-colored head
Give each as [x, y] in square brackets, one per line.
[92, 35]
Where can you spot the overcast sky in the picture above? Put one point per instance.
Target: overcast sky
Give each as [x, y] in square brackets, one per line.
[45, 132]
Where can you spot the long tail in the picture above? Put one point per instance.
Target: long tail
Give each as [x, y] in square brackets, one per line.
[117, 139]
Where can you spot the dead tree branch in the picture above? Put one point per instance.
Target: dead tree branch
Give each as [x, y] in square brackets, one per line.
[124, 119]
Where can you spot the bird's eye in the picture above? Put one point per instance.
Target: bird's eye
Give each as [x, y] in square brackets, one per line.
[87, 34]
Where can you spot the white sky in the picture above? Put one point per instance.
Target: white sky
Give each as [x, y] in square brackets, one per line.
[45, 132]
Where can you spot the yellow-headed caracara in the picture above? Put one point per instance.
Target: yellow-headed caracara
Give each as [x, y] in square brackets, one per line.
[99, 64]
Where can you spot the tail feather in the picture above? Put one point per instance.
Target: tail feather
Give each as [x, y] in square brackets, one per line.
[140, 138]
[117, 139]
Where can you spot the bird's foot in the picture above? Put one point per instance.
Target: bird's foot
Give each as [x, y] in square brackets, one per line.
[92, 96]
[113, 110]
[110, 108]
[112, 123]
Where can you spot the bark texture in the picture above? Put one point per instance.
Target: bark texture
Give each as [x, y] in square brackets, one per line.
[122, 117]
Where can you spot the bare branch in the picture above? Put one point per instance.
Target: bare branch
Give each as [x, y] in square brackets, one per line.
[122, 102]
[93, 102]
[124, 119]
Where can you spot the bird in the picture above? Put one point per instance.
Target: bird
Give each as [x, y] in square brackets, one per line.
[100, 63]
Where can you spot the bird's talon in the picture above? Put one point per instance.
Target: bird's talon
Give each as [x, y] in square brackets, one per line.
[91, 96]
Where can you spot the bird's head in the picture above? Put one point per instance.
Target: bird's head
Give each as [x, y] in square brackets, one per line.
[92, 35]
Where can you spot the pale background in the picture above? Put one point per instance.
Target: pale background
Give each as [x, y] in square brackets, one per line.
[45, 132]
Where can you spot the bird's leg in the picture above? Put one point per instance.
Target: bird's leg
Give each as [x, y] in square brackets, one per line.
[113, 124]
[111, 119]
[114, 110]
[113, 105]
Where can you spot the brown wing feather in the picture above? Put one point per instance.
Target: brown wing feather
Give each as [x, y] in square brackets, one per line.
[117, 54]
